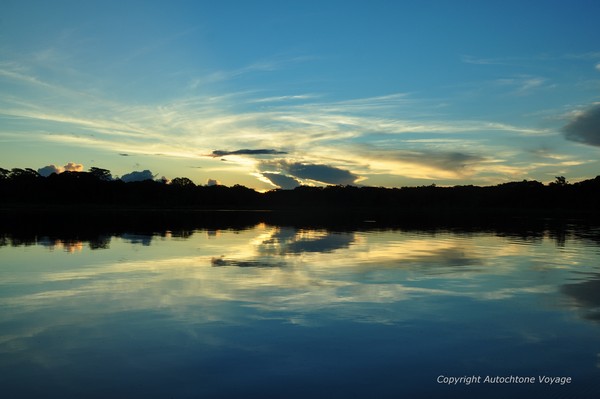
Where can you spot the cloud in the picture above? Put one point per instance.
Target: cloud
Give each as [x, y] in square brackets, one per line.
[69, 167]
[265, 65]
[524, 84]
[221, 153]
[73, 167]
[316, 132]
[585, 127]
[598, 66]
[316, 172]
[454, 161]
[212, 182]
[282, 181]
[418, 163]
[322, 173]
[469, 59]
[281, 98]
[48, 170]
[137, 176]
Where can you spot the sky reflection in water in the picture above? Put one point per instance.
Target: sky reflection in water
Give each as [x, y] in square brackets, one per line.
[285, 312]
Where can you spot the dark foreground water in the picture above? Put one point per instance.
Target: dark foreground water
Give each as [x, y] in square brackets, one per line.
[284, 312]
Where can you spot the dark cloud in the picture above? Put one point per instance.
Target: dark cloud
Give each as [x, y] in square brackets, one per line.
[262, 151]
[306, 171]
[137, 176]
[212, 182]
[321, 173]
[585, 127]
[123, 154]
[282, 181]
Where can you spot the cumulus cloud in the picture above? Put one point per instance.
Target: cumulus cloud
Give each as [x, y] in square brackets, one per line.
[585, 127]
[48, 170]
[307, 171]
[245, 151]
[212, 182]
[73, 167]
[69, 167]
[137, 176]
[282, 181]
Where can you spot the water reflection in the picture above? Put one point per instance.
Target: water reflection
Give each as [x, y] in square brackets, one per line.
[277, 243]
[229, 312]
[284, 241]
[143, 239]
[585, 295]
[70, 246]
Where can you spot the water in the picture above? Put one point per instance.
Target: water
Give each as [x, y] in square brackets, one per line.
[283, 312]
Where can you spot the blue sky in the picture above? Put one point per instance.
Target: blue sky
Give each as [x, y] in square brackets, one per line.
[275, 94]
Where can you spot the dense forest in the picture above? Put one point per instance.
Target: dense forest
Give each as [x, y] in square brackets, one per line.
[22, 188]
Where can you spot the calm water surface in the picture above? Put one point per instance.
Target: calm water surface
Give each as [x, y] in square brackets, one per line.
[281, 312]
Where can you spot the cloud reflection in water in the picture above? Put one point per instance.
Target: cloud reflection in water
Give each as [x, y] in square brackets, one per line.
[226, 300]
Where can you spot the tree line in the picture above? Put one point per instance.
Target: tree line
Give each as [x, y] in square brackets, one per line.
[96, 187]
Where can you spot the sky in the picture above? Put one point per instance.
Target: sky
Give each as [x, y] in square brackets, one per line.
[274, 94]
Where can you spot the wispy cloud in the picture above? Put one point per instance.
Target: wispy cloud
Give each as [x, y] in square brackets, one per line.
[420, 163]
[324, 141]
[590, 55]
[265, 65]
[523, 84]
[156, 44]
[471, 59]
[519, 60]
[276, 99]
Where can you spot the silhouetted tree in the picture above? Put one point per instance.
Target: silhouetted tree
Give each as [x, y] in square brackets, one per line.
[21, 174]
[560, 181]
[182, 182]
[101, 174]
[96, 187]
